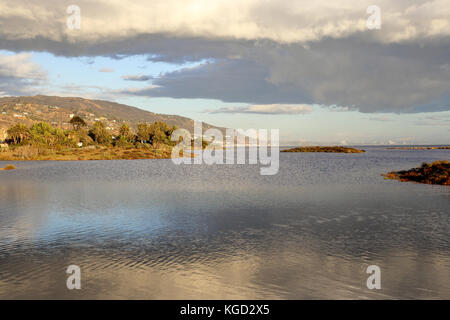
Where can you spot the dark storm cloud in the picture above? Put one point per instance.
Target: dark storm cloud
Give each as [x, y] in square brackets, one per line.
[259, 52]
[347, 72]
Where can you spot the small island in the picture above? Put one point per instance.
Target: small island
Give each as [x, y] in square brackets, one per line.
[437, 172]
[8, 167]
[334, 149]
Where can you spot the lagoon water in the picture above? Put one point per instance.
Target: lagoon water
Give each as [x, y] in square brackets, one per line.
[149, 229]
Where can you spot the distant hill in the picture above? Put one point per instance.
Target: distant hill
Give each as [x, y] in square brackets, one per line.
[59, 110]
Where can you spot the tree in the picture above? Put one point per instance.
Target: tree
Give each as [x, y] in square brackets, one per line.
[99, 134]
[160, 132]
[142, 132]
[125, 131]
[19, 133]
[43, 133]
[77, 122]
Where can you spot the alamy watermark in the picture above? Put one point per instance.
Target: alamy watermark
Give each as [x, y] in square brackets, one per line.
[236, 147]
[374, 280]
[374, 20]
[74, 280]
[74, 20]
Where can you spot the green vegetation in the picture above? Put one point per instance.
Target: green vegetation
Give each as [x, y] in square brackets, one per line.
[41, 141]
[8, 167]
[324, 149]
[18, 133]
[100, 134]
[436, 173]
[158, 132]
[77, 123]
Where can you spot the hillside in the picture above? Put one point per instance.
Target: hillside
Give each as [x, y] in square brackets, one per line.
[59, 110]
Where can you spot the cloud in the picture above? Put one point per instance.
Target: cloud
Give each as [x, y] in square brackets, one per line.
[260, 52]
[19, 75]
[359, 76]
[335, 108]
[277, 20]
[106, 70]
[440, 117]
[267, 109]
[383, 119]
[137, 77]
[20, 66]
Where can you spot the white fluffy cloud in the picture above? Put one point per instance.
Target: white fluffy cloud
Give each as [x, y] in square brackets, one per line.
[277, 20]
[19, 74]
[20, 66]
[267, 109]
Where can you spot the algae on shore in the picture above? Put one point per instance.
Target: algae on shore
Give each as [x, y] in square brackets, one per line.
[437, 172]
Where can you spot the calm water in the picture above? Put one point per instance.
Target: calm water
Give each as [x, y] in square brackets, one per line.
[150, 229]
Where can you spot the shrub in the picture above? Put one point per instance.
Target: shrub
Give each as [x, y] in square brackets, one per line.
[122, 142]
[99, 134]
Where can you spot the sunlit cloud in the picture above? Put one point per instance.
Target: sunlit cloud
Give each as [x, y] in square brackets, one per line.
[266, 109]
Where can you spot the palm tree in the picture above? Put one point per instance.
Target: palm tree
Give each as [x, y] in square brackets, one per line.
[125, 131]
[19, 133]
[143, 132]
[99, 133]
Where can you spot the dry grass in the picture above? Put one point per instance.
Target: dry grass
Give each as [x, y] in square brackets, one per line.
[97, 153]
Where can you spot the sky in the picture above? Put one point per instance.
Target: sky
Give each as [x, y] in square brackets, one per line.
[340, 72]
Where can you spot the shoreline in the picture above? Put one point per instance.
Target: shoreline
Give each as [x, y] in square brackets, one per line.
[92, 154]
[436, 173]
